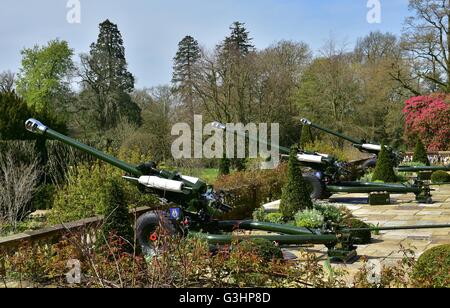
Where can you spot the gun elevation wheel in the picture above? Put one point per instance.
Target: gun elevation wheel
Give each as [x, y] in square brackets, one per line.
[151, 228]
[317, 187]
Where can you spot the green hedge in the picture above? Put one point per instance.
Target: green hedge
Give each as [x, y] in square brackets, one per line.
[432, 270]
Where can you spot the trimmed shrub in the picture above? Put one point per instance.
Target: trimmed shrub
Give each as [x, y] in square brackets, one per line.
[385, 167]
[440, 177]
[117, 220]
[264, 249]
[432, 270]
[309, 219]
[296, 196]
[420, 153]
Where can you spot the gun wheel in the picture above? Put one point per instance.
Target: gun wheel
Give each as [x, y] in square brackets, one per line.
[317, 187]
[152, 230]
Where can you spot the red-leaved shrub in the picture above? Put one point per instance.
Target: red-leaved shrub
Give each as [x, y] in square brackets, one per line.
[428, 117]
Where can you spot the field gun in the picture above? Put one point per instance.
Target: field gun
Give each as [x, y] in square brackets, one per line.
[327, 175]
[196, 206]
[375, 149]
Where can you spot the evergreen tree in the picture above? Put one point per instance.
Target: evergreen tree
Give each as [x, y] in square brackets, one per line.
[420, 153]
[184, 72]
[296, 195]
[107, 82]
[384, 170]
[239, 41]
[13, 114]
[306, 136]
[117, 219]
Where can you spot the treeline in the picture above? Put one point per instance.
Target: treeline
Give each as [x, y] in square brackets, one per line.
[360, 92]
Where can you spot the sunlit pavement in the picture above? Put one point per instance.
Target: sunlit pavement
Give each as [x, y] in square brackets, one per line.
[386, 248]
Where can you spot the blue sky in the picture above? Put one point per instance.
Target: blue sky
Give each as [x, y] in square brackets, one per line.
[153, 28]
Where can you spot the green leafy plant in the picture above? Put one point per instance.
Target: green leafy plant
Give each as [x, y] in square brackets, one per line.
[440, 177]
[433, 268]
[263, 248]
[296, 195]
[330, 212]
[309, 219]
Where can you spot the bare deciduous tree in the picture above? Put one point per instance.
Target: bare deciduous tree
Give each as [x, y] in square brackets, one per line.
[18, 183]
[426, 40]
[7, 81]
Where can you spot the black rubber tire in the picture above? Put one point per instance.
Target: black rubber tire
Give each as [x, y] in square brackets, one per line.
[370, 164]
[319, 191]
[149, 223]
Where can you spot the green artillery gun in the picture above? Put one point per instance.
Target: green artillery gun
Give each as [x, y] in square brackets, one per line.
[328, 176]
[374, 150]
[196, 205]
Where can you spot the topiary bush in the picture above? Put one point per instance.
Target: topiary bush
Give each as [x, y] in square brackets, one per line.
[420, 153]
[384, 170]
[432, 270]
[440, 177]
[309, 219]
[264, 249]
[296, 196]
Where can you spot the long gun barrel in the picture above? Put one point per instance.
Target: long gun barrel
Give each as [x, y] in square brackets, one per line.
[223, 127]
[37, 127]
[362, 145]
[329, 131]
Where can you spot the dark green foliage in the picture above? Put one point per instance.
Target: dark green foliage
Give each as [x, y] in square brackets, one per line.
[384, 170]
[224, 166]
[107, 83]
[239, 41]
[117, 219]
[185, 74]
[365, 237]
[439, 177]
[296, 196]
[306, 136]
[432, 270]
[13, 114]
[420, 153]
[264, 249]
[187, 55]
[44, 198]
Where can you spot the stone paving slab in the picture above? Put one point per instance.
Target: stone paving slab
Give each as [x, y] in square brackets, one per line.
[387, 246]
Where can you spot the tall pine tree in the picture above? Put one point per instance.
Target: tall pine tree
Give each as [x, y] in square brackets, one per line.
[107, 81]
[184, 72]
[239, 41]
